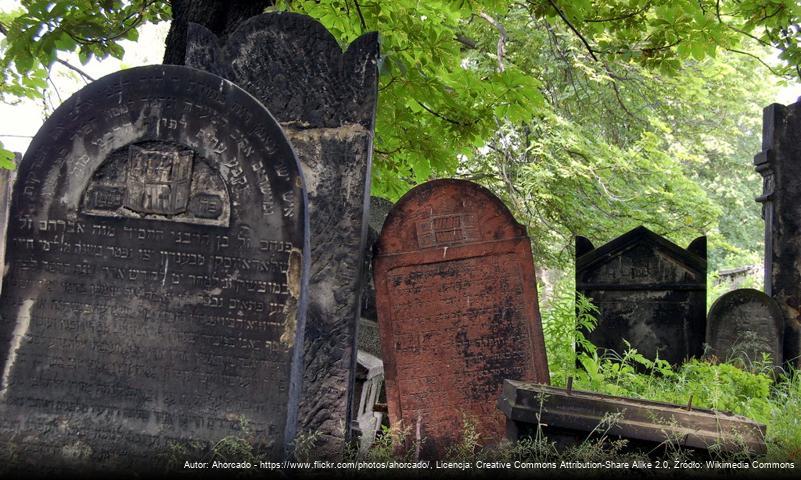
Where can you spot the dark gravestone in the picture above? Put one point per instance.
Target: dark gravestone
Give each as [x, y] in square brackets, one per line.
[571, 417]
[368, 323]
[779, 163]
[742, 325]
[650, 292]
[157, 259]
[325, 101]
[457, 309]
[7, 179]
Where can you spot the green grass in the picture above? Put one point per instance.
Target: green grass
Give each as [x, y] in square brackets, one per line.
[757, 392]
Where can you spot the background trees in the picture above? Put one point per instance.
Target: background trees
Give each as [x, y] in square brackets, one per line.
[588, 117]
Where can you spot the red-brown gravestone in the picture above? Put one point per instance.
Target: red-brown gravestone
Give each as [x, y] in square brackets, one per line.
[457, 309]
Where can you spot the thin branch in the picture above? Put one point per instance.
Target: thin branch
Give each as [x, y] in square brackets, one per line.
[439, 115]
[55, 89]
[620, 17]
[361, 17]
[501, 38]
[742, 32]
[733, 50]
[578, 34]
[466, 41]
[87, 78]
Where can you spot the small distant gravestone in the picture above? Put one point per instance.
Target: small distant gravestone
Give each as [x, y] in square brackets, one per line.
[457, 309]
[779, 163]
[325, 101]
[650, 292]
[156, 269]
[743, 324]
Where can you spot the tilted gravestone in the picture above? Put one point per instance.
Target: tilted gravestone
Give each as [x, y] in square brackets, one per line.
[743, 324]
[779, 163]
[650, 292]
[156, 266]
[457, 309]
[325, 101]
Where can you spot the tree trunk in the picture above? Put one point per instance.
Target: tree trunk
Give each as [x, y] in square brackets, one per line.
[220, 16]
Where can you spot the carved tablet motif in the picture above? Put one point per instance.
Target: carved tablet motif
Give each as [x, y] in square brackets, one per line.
[457, 309]
[158, 181]
[154, 290]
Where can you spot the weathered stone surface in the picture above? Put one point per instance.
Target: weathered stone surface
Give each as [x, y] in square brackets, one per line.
[379, 209]
[369, 339]
[650, 292]
[779, 163]
[7, 179]
[570, 417]
[743, 324]
[457, 309]
[325, 101]
[156, 268]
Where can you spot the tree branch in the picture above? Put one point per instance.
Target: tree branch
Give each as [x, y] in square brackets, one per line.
[439, 115]
[466, 41]
[361, 17]
[733, 50]
[501, 38]
[87, 78]
[620, 17]
[570, 25]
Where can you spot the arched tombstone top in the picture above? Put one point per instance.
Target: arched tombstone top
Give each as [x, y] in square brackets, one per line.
[457, 307]
[145, 121]
[743, 324]
[698, 246]
[445, 213]
[583, 245]
[154, 290]
[312, 81]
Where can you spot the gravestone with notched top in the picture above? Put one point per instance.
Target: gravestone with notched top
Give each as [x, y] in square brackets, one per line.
[744, 324]
[156, 266]
[649, 291]
[325, 101]
[457, 308]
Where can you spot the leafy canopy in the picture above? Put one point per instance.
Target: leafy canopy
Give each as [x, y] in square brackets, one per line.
[586, 116]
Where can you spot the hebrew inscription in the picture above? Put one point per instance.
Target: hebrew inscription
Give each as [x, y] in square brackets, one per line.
[153, 290]
[457, 316]
[325, 100]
